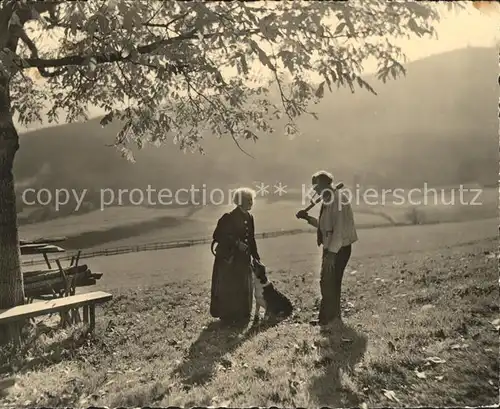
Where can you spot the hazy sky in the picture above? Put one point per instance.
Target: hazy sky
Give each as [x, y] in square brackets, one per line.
[456, 30]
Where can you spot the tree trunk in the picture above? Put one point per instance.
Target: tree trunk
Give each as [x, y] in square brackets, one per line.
[11, 279]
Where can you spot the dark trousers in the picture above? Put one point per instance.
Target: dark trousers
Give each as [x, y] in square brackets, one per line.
[332, 272]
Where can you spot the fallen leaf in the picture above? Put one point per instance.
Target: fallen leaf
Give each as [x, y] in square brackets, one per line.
[458, 346]
[390, 395]
[420, 375]
[435, 360]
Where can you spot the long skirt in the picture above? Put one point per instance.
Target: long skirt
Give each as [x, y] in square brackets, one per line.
[232, 290]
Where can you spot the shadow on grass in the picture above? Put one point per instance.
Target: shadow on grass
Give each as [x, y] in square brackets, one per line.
[341, 348]
[59, 345]
[216, 340]
[97, 238]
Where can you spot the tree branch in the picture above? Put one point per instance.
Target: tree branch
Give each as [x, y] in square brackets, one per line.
[117, 56]
[166, 25]
[25, 13]
[34, 53]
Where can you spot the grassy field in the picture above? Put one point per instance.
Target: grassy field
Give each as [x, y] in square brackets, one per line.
[421, 329]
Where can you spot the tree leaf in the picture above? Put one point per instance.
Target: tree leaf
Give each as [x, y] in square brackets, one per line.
[264, 59]
[320, 92]
[106, 119]
[339, 29]
[128, 20]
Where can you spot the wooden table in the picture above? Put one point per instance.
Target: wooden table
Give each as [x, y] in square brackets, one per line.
[41, 246]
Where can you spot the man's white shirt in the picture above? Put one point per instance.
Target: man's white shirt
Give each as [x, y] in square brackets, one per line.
[336, 223]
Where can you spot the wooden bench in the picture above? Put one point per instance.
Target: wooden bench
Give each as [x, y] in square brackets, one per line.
[60, 305]
[7, 383]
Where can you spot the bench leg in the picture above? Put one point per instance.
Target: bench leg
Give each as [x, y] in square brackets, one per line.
[14, 330]
[75, 316]
[65, 318]
[92, 317]
[86, 314]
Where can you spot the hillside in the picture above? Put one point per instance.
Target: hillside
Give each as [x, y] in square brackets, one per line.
[420, 309]
[437, 125]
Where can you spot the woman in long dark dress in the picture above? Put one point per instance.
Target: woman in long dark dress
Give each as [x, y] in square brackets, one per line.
[232, 280]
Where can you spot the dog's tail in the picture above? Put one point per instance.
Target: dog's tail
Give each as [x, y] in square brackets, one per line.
[289, 308]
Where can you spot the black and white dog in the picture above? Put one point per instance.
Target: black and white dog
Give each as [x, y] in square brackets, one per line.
[274, 303]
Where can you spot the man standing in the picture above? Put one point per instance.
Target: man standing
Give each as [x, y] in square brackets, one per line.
[336, 232]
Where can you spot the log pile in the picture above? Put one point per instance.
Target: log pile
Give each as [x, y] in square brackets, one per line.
[47, 282]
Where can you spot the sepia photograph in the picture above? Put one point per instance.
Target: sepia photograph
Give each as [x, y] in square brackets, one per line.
[249, 203]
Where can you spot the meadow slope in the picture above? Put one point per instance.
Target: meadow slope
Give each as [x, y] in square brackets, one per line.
[421, 329]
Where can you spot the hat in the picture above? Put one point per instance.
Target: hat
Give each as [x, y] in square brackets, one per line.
[322, 174]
